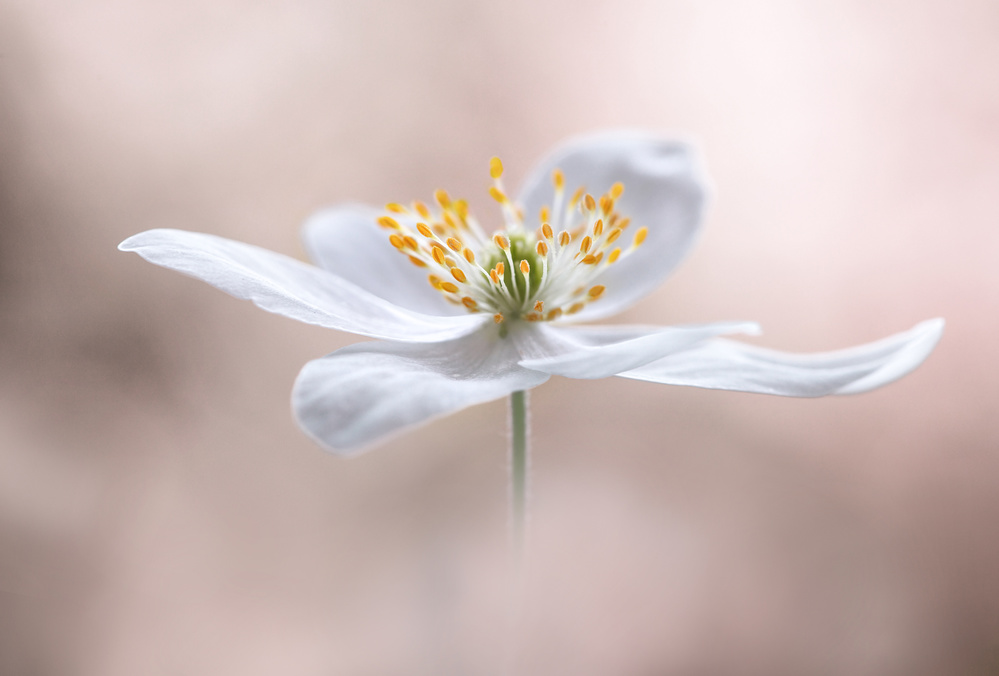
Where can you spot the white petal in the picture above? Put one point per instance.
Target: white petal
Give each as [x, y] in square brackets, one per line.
[664, 189]
[347, 241]
[363, 393]
[289, 287]
[602, 351]
[728, 365]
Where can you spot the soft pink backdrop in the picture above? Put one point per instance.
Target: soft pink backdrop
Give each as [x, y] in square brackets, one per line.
[160, 513]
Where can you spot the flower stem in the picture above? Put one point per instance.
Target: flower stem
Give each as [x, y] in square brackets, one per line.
[518, 467]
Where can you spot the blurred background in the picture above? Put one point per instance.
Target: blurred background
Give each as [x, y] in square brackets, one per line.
[161, 514]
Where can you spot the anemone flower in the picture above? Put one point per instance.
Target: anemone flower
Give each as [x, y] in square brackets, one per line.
[465, 314]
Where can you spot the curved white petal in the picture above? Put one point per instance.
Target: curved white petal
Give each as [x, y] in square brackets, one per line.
[602, 351]
[347, 241]
[728, 365]
[664, 189]
[366, 392]
[289, 287]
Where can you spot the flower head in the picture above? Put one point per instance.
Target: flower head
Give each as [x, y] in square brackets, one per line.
[467, 313]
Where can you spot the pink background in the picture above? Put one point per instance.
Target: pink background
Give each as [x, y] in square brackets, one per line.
[161, 514]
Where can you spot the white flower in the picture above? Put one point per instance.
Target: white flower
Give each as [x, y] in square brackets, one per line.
[465, 316]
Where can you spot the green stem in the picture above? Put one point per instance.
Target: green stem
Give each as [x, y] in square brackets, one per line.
[518, 466]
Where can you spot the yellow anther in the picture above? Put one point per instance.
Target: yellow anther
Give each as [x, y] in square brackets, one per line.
[614, 255]
[388, 222]
[495, 167]
[422, 209]
[458, 274]
[461, 208]
[584, 246]
[532, 317]
[469, 255]
[435, 281]
[589, 259]
[624, 223]
[493, 276]
[449, 287]
[606, 204]
[439, 229]
[396, 241]
[574, 308]
[598, 227]
[539, 306]
[546, 230]
[564, 238]
[542, 248]
[469, 303]
[442, 198]
[589, 202]
[641, 235]
[500, 268]
[424, 230]
[525, 267]
[545, 214]
[411, 242]
[613, 235]
[498, 318]
[454, 244]
[497, 194]
[558, 178]
[450, 262]
[501, 241]
[417, 262]
[595, 291]
[449, 219]
[554, 314]
[576, 196]
[438, 255]
[395, 208]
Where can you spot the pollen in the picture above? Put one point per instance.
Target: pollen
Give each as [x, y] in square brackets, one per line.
[526, 270]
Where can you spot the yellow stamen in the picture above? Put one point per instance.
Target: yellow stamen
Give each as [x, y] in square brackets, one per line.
[574, 308]
[614, 255]
[542, 249]
[576, 196]
[495, 167]
[554, 314]
[497, 194]
[501, 241]
[422, 209]
[453, 244]
[498, 318]
[613, 235]
[438, 255]
[616, 191]
[493, 276]
[417, 262]
[395, 208]
[606, 204]
[388, 222]
[546, 230]
[469, 255]
[411, 242]
[598, 227]
[469, 302]
[449, 287]
[545, 214]
[525, 267]
[424, 230]
[564, 238]
[589, 202]
[435, 281]
[595, 291]
[558, 178]
[584, 246]
[442, 198]
[458, 274]
[396, 241]
[641, 235]
[539, 306]
[500, 268]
